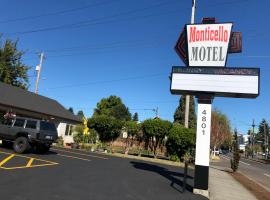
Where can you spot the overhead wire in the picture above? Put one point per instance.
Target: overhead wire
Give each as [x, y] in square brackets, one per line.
[57, 12]
[89, 21]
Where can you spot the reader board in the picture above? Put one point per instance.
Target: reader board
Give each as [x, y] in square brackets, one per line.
[216, 81]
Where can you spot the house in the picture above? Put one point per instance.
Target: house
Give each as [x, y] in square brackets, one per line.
[28, 104]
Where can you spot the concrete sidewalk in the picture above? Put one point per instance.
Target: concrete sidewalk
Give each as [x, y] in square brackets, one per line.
[223, 186]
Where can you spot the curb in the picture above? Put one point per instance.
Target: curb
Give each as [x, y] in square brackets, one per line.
[258, 161]
[158, 161]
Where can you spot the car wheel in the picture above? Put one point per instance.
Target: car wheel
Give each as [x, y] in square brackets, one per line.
[20, 145]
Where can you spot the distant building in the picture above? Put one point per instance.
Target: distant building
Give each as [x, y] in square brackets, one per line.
[246, 139]
[240, 139]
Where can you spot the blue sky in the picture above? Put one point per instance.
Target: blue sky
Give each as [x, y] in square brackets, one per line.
[97, 48]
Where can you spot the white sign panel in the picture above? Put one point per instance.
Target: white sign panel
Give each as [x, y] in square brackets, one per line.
[227, 85]
[203, 135]
[208, 44]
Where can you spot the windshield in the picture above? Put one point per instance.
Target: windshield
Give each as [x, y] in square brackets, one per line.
[47, 126]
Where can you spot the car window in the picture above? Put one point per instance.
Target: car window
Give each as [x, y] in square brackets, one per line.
[19, 123]
[47, 126]
[8, 121]
[31, 124]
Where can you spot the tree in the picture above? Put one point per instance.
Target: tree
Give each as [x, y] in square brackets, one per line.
[260, 136]
[80, 114]
[180, 141]
[71, 110]
[135, 117]
[78, 136]
[220, 129]
[113, 107]
[236, 155]
[179, 115]
[155, 131]
[107, 127]
[12, 70]
[132, 129]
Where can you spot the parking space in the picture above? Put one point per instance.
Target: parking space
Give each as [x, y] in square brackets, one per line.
[74, 174]
[10, 161]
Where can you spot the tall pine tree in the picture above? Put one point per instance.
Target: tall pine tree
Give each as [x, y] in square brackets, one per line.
[260, 136]
[179, 115]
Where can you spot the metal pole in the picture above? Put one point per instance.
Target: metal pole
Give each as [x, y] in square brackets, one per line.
[187, 96]
[39, 70]
[265, 141]
[252, 141]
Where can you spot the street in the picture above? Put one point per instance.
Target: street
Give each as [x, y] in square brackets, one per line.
[256, 171]
[74, 174]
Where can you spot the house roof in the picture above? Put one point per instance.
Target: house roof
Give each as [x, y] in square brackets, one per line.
[14, 97]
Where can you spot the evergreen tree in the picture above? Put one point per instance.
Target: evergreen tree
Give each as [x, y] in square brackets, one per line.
[236, 154]
[135, 117]
[112, 107]
[12, 70]
[80, 114]
[260, 136]
[179, 115]
[71, 110]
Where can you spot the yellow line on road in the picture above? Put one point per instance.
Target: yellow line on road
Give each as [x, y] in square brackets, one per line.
[32, 166]
[6, 159]
[28, 157]
[73, 157]
[83, 154]
[30, 162]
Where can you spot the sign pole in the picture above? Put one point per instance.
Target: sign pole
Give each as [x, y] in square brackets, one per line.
[202, 146]
[188, 96]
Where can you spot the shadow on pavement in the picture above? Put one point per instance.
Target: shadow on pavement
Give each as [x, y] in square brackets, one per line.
[170, 175]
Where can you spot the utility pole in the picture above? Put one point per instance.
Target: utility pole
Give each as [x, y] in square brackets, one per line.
[38, 68]
[156, 112]
[188, 96]
[252, 138]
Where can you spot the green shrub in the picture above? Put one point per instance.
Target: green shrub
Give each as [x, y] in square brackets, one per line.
[60, 141]
[174, 158]
[180, 141]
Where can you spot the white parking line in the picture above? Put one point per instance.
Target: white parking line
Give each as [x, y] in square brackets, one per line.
[244, 163]
[228, 158]
[267, 175]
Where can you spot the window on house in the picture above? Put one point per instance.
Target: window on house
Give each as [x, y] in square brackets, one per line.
[19, 122]
[69, 129]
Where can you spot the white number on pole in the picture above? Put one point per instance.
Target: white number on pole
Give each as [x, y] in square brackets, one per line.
[203, 134]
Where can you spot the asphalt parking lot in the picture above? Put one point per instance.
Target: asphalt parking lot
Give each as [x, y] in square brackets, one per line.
[73, 174]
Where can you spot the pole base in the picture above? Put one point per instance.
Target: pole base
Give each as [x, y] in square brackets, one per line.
[204, 193]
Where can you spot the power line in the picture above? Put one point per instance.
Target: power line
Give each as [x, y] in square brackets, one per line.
[57, 13]
[91, 21]
[108, 81]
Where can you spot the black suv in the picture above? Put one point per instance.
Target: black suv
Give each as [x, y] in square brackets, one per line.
[25, 133]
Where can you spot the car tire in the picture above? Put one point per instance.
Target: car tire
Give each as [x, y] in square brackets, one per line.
[21, 145]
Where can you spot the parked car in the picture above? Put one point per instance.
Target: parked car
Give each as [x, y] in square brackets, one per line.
[26, 133]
